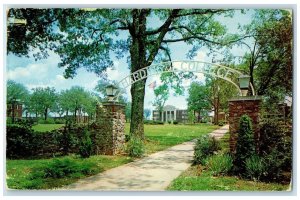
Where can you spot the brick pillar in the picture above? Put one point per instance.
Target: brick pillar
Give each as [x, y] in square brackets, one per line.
[239, 106]
[110, 129]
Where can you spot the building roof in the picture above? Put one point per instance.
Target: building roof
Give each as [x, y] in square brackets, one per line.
[169, 108]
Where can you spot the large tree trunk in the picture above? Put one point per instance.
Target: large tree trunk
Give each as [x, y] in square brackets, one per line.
[138, 61]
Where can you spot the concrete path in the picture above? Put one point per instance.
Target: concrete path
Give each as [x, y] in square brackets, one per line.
[220, 132]
[152, 173]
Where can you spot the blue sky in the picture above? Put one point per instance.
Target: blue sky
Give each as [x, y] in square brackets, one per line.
[45, 72]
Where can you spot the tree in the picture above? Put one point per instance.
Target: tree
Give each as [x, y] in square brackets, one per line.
[88, 36]
[198, 99]
[147, 113]
[16, 92]
[161, 96]
[268, 59]
[42, 100]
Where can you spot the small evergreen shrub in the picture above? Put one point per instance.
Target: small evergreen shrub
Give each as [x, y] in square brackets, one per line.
[220, 164]
[205, 146]
[175, 122]
[135, 147]
[86, 145]
[66, 167]
[245, 146]
[169, 122]
[255, 167]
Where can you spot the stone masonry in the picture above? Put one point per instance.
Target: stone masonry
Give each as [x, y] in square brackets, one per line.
[250, 106]
[109, 129]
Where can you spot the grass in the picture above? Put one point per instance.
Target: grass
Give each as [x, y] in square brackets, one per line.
[19, 172]
[46, 127]
[160, 137]
[196, 179]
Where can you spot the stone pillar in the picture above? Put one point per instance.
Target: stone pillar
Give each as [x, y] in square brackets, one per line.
[249, 105]
[110, 128]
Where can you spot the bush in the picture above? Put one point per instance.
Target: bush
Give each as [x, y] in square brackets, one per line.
[86, 145]
[60, 121]
[169, 122]
[152, 122]
[205, 146]
[255, 167]
[219, 164]
[222, 123]
[274, 137]
[245, 146]
[19, 141]
[60, 168]
[175, 122]
[48, 121]
[135, 147]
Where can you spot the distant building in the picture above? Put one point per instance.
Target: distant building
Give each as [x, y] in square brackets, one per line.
[170, 113]
[16, 111]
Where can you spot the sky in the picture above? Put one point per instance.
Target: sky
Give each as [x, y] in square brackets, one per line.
[43, 73]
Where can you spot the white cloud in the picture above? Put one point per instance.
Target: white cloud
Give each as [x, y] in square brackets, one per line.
[34, 71]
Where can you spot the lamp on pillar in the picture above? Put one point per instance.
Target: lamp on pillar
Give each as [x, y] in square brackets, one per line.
[244, 81]
[111, 91]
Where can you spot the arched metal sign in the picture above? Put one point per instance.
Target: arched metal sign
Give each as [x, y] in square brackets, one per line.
[212, 69]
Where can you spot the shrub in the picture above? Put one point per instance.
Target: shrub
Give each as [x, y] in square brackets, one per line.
[169, 122]
[60, 121]
[205, 146]
[221, 123]
[175, 122]
[255, 167]
[135, 147]
[274, 137]
[60, 168]
[219, 164]
[19, 141]
[245, 146]
[48, 121]
[86, 145]
[152, 122]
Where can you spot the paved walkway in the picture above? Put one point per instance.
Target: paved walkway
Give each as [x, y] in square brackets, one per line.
[152, 173]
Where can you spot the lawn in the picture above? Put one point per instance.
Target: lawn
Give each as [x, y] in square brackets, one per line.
[20, 172]
[160, 137]
[197, 178]
[46, 127]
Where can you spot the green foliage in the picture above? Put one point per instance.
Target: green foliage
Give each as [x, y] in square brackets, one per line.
[255, 167]
[19, 141]
[47, 121]
[135, 147]
[153, 122]
[221, 123]
[63, 168]
[42, 100]
[275, 137]
[198, 99]
[245, 146]
[161, 96]
[85, 146]
[219, 164]
[175, 122]
[205, 146]
[169, 121]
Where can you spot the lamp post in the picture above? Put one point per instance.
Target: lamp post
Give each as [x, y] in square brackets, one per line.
[244, 81]
[111, 91]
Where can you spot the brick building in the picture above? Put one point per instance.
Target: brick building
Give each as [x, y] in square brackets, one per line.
[16, 111]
